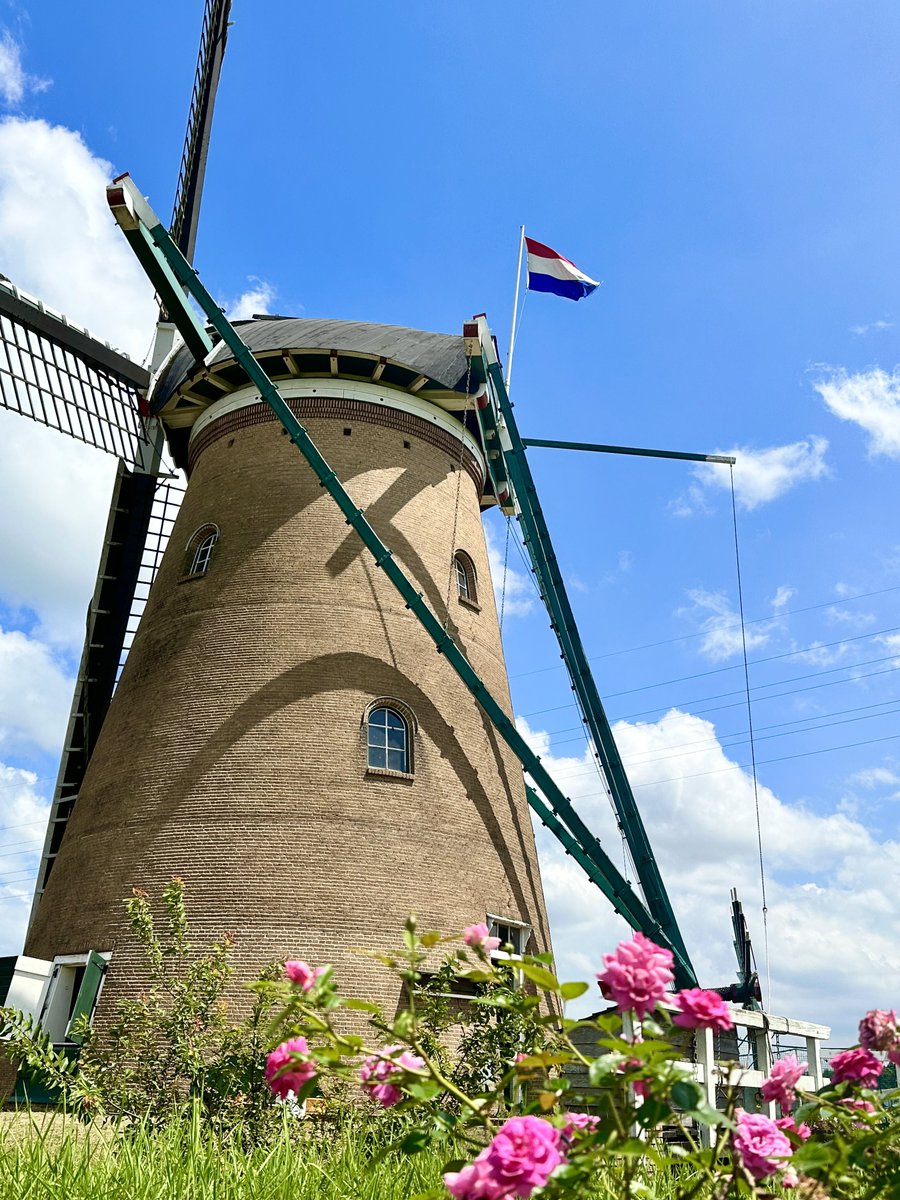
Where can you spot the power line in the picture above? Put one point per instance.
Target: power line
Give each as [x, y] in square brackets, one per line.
[723, 739]
[758, 687]
[761, 762]
[755, 662]
[18, 878]
[15, 845]
[648, 761]
[24, 825]
[686, 637]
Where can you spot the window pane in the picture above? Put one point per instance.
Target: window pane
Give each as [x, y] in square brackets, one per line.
[394, 720]
[396, 738]
[397, 760]
[377, 757]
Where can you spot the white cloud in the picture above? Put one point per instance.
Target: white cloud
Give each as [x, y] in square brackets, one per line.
[760, 476]
[25, 814]
[35, 693]
[849, 618]
[721, 625]
[254, 301]
[783, 595]
[59, 240]
[832, 921]
[870, 399]
[15, 82]
[513, 590]
[892, 642]
[873, 777]
[819, 654]
[60, 490]
[872, 327]
[61, 245]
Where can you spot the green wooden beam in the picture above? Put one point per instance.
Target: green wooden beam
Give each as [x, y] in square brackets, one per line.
[553, 592]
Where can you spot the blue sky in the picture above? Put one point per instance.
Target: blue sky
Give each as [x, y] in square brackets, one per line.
[731, 174]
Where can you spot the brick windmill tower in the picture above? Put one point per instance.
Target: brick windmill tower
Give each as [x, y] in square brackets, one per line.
[283, 734]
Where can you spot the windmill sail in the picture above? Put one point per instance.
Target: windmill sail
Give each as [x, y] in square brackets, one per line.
[141, 515]
[54, 372]
[57, 374]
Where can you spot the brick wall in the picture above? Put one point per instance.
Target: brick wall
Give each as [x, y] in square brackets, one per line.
[234, 752]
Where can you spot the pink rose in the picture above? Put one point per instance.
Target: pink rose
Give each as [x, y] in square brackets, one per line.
[522, 1156]
[779, 1087]
[878, 1030]
[858, 1105]
[302, 974]
[894, 1055]
[858, 1066]
[286, 1072]
[640, 1087]
[789, 1178]
[475, 1182]
[578, 1123]
[701, 1009]
[379, 1069]
[759, 1145]
[789, 1125]
[476, 936]
[636, 975]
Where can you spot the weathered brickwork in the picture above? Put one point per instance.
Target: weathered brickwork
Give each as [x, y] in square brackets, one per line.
[234, 752]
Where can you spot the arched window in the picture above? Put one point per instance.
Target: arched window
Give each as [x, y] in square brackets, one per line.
[465, 577]
[388, 738]
[200, 548]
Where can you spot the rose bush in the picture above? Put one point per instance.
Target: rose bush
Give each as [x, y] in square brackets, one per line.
[641, 1126]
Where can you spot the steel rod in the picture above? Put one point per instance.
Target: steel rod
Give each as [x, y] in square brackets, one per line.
[596, 447]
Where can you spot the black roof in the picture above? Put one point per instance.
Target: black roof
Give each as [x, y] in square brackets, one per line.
[439, 356]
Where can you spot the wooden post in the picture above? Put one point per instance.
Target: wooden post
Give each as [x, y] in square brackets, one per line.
[814, 1062]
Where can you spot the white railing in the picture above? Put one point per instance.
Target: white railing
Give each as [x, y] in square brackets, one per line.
[713, 1075]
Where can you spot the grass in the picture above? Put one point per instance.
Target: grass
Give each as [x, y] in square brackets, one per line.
[43, 1158]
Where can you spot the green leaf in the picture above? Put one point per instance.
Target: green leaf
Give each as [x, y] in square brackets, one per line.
[362, 1006]
[415, 1142]
[431, 938]
[602, 1068]
[540, 975]
[477, 976]
[631, 1148]
[571, 991]
[651, 1113]
[687, 1094]
[813, 1155]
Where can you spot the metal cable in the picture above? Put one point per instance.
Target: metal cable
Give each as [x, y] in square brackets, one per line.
[759, 838]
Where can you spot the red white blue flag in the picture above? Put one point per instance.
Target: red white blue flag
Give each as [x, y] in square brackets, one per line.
[550, 272]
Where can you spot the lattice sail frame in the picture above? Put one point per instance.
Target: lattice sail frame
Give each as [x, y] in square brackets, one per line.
[58, 375]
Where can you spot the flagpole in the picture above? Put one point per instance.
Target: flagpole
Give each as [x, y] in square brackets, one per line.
[515, 312]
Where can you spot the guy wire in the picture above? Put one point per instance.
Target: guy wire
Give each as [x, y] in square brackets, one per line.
[759, 838]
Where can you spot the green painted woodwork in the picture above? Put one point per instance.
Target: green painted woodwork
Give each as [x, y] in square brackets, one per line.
[94, 970]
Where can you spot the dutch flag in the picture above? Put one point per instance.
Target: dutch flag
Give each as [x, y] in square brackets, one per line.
[550, 272]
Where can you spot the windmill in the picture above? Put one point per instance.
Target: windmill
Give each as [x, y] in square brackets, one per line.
[315, 706]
